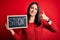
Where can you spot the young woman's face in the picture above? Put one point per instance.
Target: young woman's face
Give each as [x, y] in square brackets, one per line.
[33, 10]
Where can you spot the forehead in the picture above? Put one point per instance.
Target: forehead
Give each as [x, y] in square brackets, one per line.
[34, 5]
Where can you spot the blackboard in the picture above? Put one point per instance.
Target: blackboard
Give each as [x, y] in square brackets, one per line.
[17, 21]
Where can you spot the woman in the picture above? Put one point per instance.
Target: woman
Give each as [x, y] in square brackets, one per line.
[35, 24]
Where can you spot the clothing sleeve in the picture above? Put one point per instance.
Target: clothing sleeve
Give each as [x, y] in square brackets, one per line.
[52, 27]
[18, 36]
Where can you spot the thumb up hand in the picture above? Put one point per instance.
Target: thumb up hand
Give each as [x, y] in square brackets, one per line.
[44, 16]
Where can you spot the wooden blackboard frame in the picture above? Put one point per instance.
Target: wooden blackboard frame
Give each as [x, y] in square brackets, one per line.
[15, 27]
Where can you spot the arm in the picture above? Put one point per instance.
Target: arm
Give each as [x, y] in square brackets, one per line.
[18, 36]
[50, 26]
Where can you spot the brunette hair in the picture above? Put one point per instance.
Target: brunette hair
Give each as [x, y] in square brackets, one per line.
[37, 17]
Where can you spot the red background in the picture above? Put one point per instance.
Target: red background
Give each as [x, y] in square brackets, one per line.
[18, 7]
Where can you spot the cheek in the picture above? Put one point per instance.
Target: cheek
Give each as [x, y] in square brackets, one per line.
[31, 10]
[36, 12]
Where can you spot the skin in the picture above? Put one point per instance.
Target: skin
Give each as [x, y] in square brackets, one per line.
[33, 12]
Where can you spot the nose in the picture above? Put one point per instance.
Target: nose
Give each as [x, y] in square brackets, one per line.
[33, 10]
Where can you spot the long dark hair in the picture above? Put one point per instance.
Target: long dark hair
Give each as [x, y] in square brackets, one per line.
[37, 17]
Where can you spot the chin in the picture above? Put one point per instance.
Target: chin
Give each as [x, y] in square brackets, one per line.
[32, 15]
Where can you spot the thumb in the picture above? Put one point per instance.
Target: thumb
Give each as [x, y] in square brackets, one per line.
[6, 26]
[44, 13]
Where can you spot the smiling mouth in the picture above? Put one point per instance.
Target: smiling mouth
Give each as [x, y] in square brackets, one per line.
[32, 12]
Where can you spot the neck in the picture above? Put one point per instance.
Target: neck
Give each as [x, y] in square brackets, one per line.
[31, 20]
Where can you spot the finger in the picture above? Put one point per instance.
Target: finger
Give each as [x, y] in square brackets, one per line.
[6, 26]
[43, 12]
